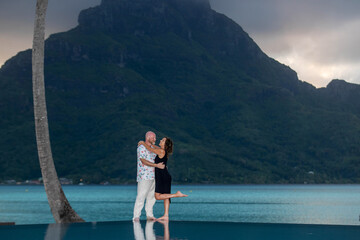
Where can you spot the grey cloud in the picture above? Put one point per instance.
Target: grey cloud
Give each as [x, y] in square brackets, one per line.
[17, 22]
[15, 13]
[313, 37]
[287, 15]
[341, 47]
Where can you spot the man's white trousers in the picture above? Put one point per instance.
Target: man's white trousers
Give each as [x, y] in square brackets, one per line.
[145, 190]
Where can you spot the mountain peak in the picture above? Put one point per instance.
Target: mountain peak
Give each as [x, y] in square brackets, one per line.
[341, 85]
[141, 16]
[342, 90]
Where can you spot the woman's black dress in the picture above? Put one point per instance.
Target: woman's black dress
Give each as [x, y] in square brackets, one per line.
[162, 176]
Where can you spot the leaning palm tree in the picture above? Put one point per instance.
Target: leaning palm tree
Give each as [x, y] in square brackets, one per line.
[60, 207]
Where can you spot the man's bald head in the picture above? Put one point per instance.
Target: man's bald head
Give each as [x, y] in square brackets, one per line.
[150, 137]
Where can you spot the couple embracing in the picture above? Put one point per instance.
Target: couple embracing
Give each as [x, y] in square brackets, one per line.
[153, 178]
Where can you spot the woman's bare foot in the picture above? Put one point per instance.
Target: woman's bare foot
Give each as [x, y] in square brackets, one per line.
[180, 194]
[164, 218]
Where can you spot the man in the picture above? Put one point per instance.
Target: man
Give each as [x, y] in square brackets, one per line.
[146, 178]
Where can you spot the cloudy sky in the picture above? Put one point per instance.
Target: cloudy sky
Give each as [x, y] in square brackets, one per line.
[317, 38]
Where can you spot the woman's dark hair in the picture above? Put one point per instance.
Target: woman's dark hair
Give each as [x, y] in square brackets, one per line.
[168, 146]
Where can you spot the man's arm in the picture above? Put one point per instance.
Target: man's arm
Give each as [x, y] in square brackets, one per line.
[150, 164]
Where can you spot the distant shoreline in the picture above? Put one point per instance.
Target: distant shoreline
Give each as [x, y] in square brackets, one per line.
[203, 184]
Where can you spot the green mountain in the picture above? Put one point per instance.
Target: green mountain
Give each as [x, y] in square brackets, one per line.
[181, 69]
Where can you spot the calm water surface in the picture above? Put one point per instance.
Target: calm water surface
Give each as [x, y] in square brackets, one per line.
[309, 204]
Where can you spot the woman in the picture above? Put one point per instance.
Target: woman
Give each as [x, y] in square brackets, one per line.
[162, 176]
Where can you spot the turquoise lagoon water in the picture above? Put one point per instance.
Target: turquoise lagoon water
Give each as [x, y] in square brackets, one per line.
[304, 204]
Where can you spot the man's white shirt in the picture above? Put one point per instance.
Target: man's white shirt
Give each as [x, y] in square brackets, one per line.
[145, 172]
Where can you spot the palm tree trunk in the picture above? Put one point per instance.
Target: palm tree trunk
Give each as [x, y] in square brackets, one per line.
[60, 207]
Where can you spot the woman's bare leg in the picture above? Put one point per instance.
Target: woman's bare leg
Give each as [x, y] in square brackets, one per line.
[166, 211]
[163, 196]
[166, 197]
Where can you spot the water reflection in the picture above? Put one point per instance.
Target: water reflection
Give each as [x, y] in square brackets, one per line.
[179, 230]
[56, 231]
[139, 233]
[150, 231]
[166, 230]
